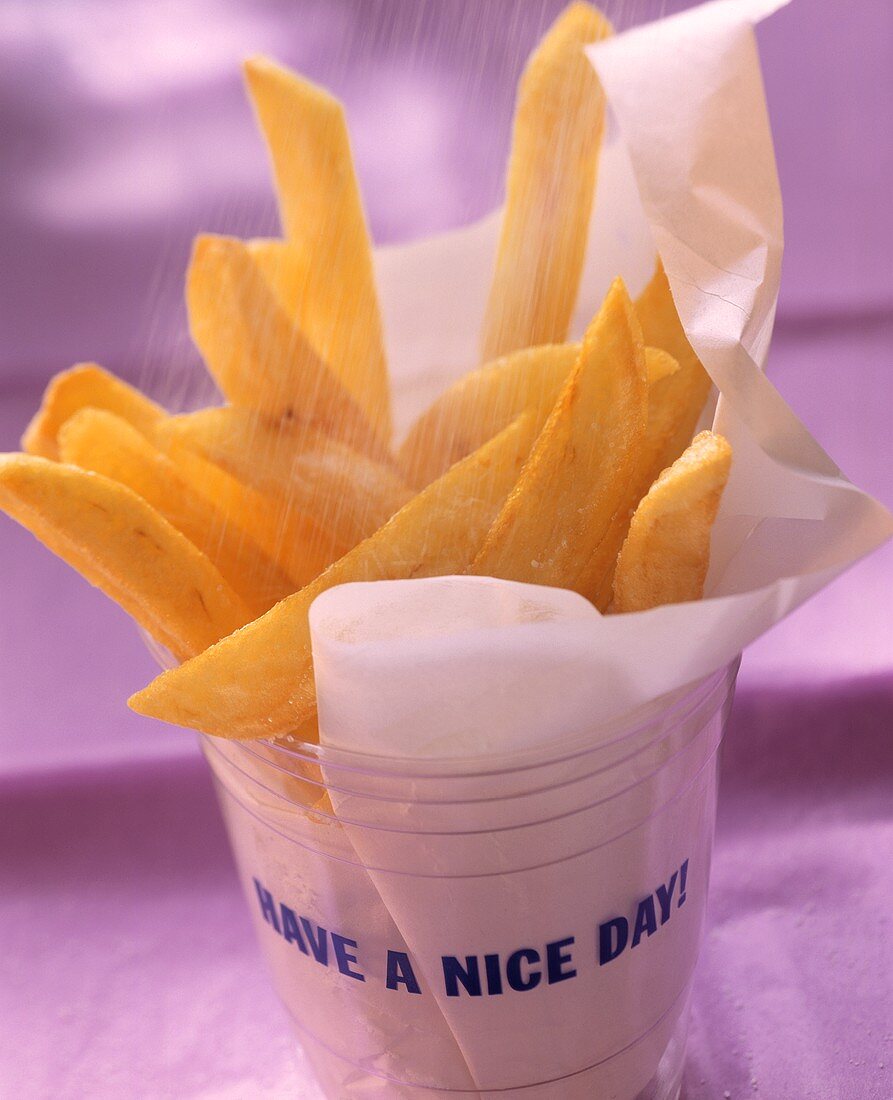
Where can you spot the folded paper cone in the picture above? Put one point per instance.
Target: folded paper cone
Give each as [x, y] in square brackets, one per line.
[512, 889]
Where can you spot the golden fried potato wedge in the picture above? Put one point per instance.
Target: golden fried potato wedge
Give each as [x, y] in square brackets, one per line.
[120, 544]
[659, 364]
[552, 525]
[85, 385]
[97, 440]
[675, 404]
[343, 492]
[301, 548]
[667, 551]
[559, 119]
[259, 682]
[260, 359]
[309, 290]
[220, 433]
[483, 402]
[330, 277]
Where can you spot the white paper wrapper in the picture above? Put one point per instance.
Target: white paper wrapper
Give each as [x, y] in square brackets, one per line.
[689, 169]
[453, 667]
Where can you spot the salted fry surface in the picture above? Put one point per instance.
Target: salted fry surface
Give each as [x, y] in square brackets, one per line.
[331, 284]
[482, 404]
[120, 544]
[96, 440]
[559, 119]
[299, 547]
[259, 357]
[667, 551]
[217, 527]
[335, 487]
[85, 386]
[259, 682]
[555, 519]
[677, 403]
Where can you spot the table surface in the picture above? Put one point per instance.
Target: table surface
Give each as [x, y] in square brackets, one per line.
[128, 964]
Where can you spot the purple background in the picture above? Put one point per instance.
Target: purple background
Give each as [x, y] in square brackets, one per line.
[127, 965]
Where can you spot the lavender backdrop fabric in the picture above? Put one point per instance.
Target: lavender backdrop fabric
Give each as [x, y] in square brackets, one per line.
[128, 967]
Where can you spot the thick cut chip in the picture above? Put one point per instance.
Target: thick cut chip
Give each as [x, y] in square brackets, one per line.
[330, 272]
[119, 543]
[559, 119]
[659, 364]
[486, 400]
[481, 404]
[667, 551]
[678, 401]
[224, 433]
[259, 682]
[259, 357]
[556, 517]
[675, 404]
[301, 549]
[309, 290]
[86, 385]
[100, 441]
[343, 492]
[346, 493]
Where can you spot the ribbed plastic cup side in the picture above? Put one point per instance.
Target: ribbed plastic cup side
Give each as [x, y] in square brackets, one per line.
[477, 927]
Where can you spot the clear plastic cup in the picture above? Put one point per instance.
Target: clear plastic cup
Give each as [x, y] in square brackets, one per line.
[526, 925]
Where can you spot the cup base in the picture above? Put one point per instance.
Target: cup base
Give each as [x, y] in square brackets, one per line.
[617, 1078]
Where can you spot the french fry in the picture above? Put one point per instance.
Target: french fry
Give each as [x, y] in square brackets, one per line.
[341, 491]
[674, 407]
[259, 682]
[300, 547]
[260, 359]
[659, 364]
[347, 494]
[216, 530]
[85, 385]
[559, 119]
[120, 544]
[667, 552]
[97, 440]
[313, 295]
[221, 433]
[552, 525]
[677, 403]
[287, 271]
[483, 402]
[332, 287]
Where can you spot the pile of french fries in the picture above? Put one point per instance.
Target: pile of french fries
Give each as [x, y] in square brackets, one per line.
[554, 463]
